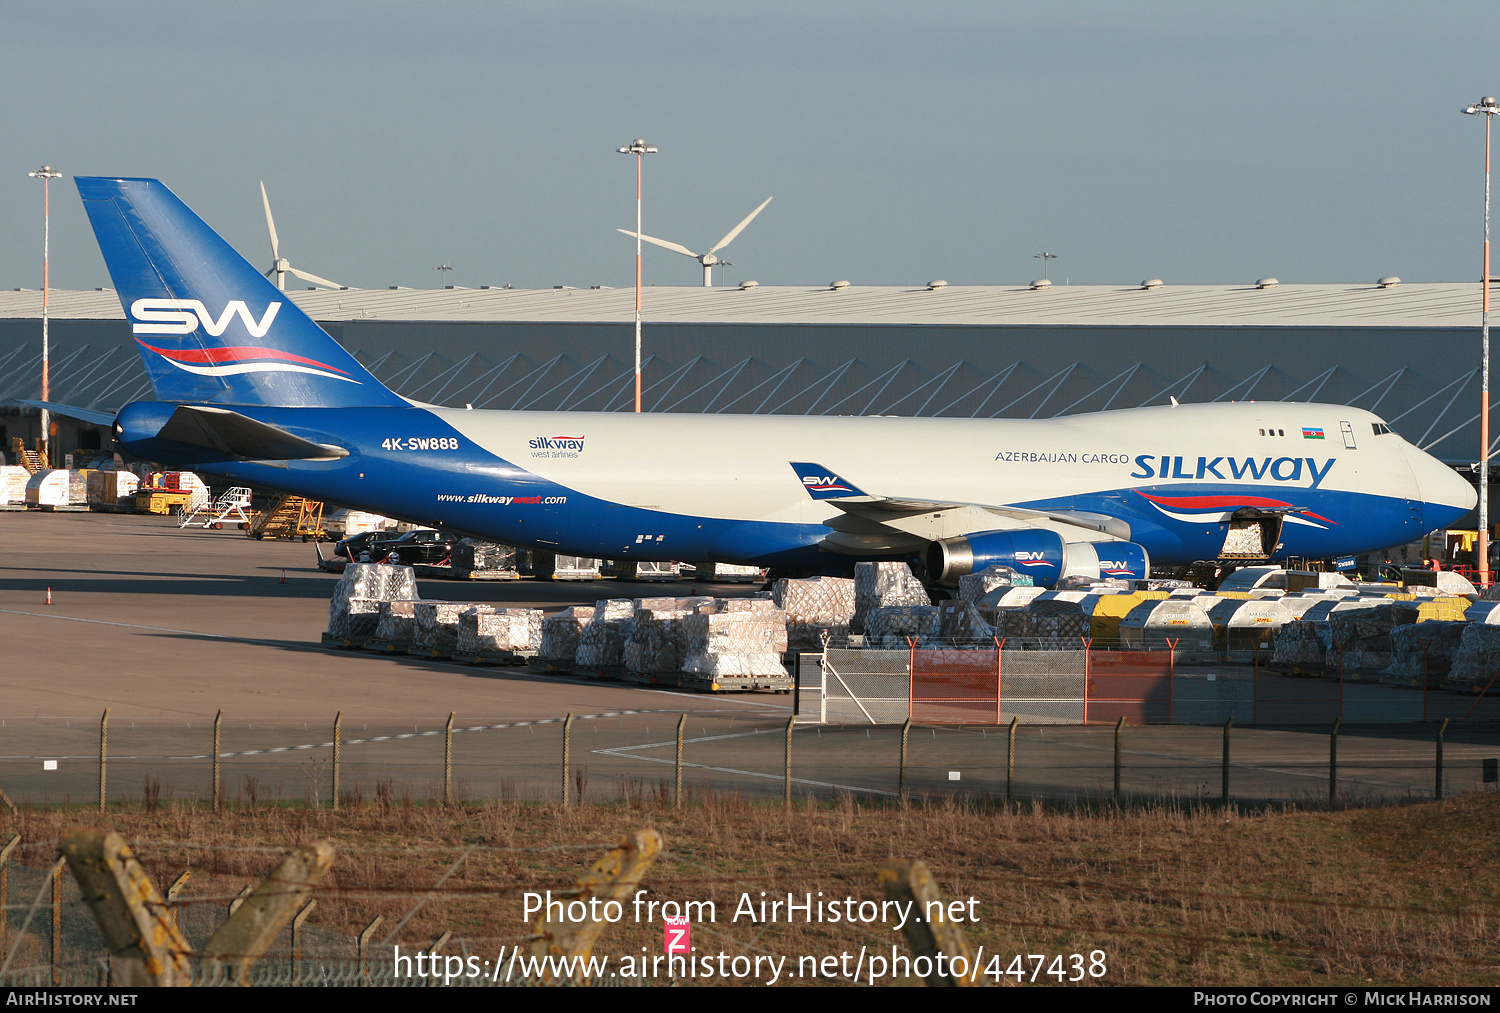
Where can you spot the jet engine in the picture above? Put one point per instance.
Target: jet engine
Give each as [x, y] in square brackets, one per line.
[1035, 551]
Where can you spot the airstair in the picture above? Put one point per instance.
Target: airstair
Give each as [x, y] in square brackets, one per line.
[230, 506]
[31, 460]
[291, 517]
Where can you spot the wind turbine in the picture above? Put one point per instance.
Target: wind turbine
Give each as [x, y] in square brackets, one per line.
[708, 260]
[280, 266]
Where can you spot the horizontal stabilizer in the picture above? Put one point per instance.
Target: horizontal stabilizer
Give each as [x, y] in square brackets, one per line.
[81, 414]
[240, 436]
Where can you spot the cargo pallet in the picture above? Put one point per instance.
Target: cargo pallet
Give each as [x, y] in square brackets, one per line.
[343, 643]
[387, 646]
[734, 683]
[494, 657]
[602, 673]
[544, 666]
[484, 575]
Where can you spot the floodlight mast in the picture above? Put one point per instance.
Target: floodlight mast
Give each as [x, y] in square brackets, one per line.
[46, 175]
[1486, 107]
[639, 149]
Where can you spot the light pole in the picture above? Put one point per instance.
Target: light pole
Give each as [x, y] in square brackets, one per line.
[639, 149]
[1488, 107]
[1044, 257]
[444, 276]
[46, 175]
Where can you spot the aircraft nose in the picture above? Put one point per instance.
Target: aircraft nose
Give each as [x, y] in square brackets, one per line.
[1445, 494]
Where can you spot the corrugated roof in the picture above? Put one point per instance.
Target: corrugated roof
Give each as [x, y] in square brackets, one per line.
[1447, 304]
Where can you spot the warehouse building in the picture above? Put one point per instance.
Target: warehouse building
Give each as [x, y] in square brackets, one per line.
[1407, 351]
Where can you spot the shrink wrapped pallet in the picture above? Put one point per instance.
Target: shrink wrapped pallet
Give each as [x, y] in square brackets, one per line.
[353, 618]
[883, 585]
[395, 625]
[758, 606]
[1446, 608]
[602, 642]
[1478, 657]
[734, 643]
[471, 556]
[815, 606]
[892, 627]
[484, 630]
[1362, 636]
[689, 603]
[1244, 542]
[1162, 584]
[1009, 622]
[1056, 625]
[960, 624]
[380, 581]
[1301, 644]
[562, 633]
[367, 582]
[1423, 651]
[435, 626]
[974, 586]
[658, 642]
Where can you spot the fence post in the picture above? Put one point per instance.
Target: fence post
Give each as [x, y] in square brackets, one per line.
[1333, 763]
[1224, 791]
[1010, 761]
[5, 851]
[298, 920]
[338, 728]
[103, 758]
[1118, 725]
[1437, 786]
[786, 782]
[901, 782]
[567, 792]
[364, 948]
[677, 789]
[999, 677]
[218, 790]
[911, 676]
[57, 868]
[448, 760]
[173, 890]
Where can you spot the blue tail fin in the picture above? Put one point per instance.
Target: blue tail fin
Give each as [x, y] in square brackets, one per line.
[208, 325]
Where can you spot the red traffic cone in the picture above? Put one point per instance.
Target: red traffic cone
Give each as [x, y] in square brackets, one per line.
[49, 596]
[283, 576]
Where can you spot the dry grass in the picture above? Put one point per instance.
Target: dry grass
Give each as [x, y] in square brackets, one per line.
[1385, 896]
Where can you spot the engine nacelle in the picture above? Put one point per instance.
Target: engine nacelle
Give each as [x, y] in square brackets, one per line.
[1032, 551]
[1107, 559]
[1040, 553]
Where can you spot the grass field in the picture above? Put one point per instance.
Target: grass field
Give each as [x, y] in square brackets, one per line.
[1401, 895]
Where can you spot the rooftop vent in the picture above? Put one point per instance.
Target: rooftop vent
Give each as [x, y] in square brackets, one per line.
[1151, 283]
[933, 286]
[839, 286]
[394, 287]
[1390, 282]
[1266, 283]
[746, 286]
[1041, 284]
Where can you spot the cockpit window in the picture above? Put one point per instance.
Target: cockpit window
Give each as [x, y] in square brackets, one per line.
[1381, 429]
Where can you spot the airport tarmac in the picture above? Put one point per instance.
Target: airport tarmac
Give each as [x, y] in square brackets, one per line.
[167, 626]
[156, 621]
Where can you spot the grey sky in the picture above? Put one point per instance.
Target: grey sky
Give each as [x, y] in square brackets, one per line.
[1193, 142]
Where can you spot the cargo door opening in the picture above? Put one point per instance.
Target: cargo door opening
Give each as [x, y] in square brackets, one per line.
[1252, 534]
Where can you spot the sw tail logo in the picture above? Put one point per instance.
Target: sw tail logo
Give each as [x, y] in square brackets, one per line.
[182, 316]
[821, 482]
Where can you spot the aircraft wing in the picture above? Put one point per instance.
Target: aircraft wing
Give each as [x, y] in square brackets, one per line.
[871, 523]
